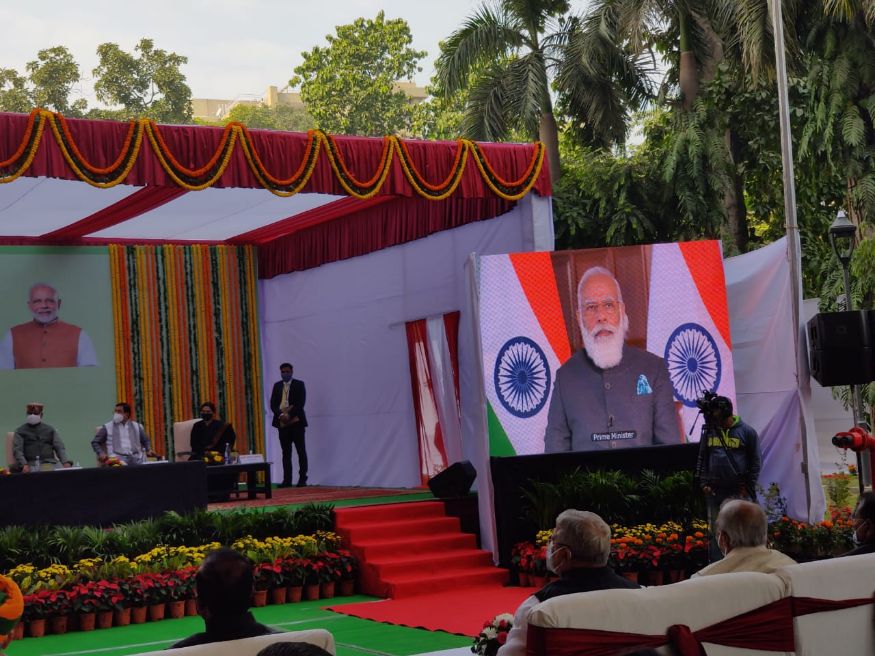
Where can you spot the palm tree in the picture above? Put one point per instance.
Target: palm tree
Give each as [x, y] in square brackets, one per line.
[505, 54]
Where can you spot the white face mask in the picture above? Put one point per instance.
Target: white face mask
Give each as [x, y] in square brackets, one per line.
[33, 420]
[118, 418]
[550, 556]
[856, 538]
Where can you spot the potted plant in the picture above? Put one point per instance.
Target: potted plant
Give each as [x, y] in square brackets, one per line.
[58, 608]
[34, 614]
[109, 597]
[157, 592]
[348, 572]
[293, 573]
[493, 635]
[187, 580]
[312, 577]
[85, 605]
[134, 589]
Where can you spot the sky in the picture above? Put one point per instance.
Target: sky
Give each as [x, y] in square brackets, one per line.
[235, 48]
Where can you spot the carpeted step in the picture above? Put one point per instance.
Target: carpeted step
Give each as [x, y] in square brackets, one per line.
[414, 584]
[434, 563]
[399, 547]
[367, 514]
[424, 527]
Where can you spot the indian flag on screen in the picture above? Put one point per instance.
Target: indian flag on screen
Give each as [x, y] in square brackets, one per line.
[524, 341]
[688, 323]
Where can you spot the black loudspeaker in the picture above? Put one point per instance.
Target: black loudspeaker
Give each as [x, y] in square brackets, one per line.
[841, 347]
[454, 481]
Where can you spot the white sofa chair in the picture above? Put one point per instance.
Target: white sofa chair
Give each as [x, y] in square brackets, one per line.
[251, 646]
[848, 631]
[697, 603]
[182, 439]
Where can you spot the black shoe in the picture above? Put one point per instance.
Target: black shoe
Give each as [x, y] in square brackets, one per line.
[302, 482]
[285, 484]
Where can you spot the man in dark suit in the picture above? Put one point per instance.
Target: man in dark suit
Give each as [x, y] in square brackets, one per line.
[287, 404]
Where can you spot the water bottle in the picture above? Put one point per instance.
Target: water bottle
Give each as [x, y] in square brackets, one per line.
[227, 454]
[36, 465]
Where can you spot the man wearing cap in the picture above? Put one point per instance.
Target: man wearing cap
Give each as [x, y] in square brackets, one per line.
[609, 394]
[36, 441]
[45, 340]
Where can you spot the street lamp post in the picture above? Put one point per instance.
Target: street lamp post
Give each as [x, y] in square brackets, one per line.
[842, 238]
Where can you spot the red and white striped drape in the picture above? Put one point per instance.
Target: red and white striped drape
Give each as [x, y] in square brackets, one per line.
[433, 351]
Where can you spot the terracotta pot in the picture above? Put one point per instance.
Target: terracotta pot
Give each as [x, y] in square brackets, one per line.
[36, 628]
[156, 611]
[190, 607]
[537, 581]
[122, 617]
[326, 589]
[18, 631]
[176, 609]
[311, 591]
[259, 598]
[294, 593]
[630, 576]
[346, 588]
[86, 621]
[278, 595]
[104, 619]
[138, 614]
[58, 625]
[524, 579]
[673, 575]
[650, 577]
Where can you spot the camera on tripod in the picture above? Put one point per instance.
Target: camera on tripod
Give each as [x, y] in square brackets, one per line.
[714, 408]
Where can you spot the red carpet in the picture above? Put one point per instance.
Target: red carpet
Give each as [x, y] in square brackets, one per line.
[411, 549]
[462, 611]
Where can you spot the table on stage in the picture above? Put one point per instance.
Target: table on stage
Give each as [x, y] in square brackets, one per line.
[102, 495]
[215, 473]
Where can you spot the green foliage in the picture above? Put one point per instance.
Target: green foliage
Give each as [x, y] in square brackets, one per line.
[350, 85]
[148, 83]
[281, 117]
[49, 82]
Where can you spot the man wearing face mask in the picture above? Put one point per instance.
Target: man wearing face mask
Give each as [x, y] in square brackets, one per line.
[578, 553]
[36, 441]
[287, 404]
[742, 533]
[211, 433]
[864, 526]
[122, 438]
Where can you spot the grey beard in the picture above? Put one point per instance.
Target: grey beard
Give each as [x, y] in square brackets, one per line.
[605, 353]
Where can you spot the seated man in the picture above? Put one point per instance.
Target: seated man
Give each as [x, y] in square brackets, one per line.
[224, 585]
[36, 443]
[578, 552]
[122, 438]
[742, 530]
[864, 525]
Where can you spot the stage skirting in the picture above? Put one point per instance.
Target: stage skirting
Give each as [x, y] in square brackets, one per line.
[100, 496]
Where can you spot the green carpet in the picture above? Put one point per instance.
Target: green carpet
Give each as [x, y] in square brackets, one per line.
[354, 637]
[340, 503]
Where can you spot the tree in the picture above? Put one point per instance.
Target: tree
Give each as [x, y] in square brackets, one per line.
[505, 55]
[149, 84]
[350, 86]
[49, 82]
[281, 117]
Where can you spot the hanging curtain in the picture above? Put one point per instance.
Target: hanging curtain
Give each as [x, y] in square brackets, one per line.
[432, 346]
[186, 332]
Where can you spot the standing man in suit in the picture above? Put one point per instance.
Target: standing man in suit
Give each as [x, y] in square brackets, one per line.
[287, 404]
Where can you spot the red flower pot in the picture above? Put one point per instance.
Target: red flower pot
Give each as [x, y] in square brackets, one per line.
[311, 591]
[86, 621]
[176, 609]
[36, 628]
[190, 607]
[58, 624]
[104, 619]
[122, 617]
[138, 614]
[278, 595]
[18, 631]
[524, 579]
[294, 593]
[259, 598]
[156, 612]
[346, 588]
[326, 590]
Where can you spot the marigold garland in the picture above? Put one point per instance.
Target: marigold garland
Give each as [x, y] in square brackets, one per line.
[208, 174]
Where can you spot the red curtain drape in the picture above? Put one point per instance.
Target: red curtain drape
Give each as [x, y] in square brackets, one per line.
[432, 453]
[451, 328]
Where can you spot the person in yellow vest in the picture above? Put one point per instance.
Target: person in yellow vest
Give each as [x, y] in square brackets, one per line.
[36, 443]
[46, 341]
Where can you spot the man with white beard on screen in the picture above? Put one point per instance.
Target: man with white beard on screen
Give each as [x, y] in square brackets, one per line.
[609, 394]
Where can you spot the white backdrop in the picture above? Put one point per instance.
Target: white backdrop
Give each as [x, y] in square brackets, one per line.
[342, 327]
